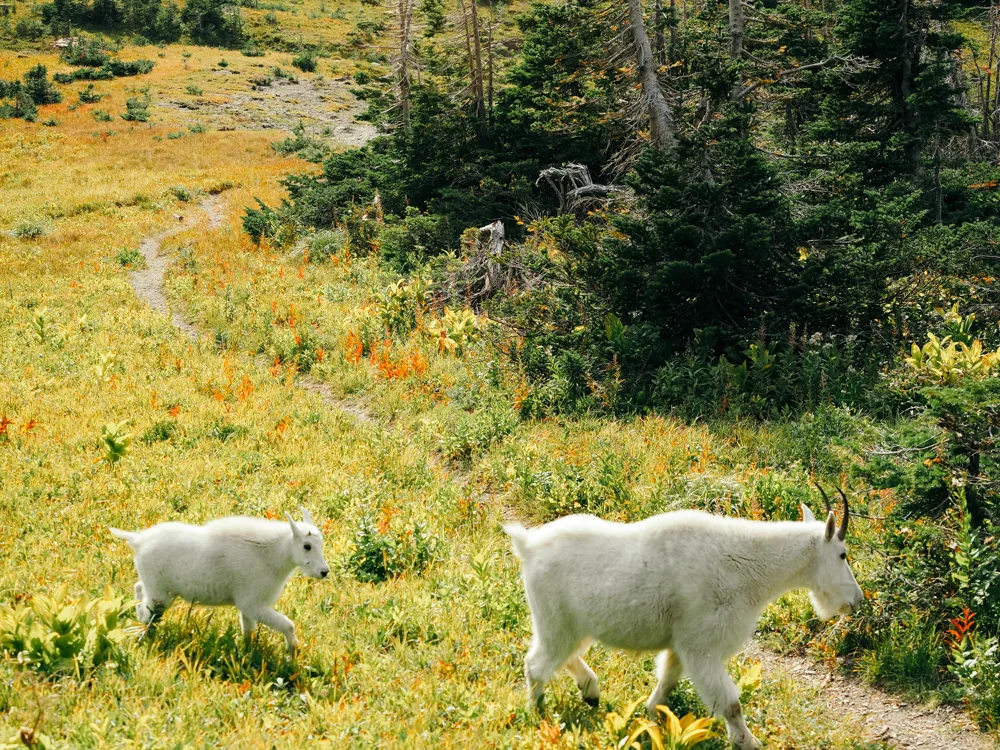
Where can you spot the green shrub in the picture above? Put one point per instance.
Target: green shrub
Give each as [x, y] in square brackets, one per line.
[30, 29]
[907, 656]
[130, 257]
[194, 90]
[85, 52]
[57, 636]
[325, 244]
[89, 96]
[39, 88]
[261, 223]
[136, 109]
[23, 107]
[304, 146]
[159, 432]
[106, 72]
[181, 193]
[30, 229]
[379, 553]
[114, 443]
[252, 50]
[101, 116]
[306, 62]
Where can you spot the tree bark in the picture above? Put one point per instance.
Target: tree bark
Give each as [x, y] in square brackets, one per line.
[471, 26]
[481, 105]
[661, 42]
[737, 29]
[661, 123]
[405, 11]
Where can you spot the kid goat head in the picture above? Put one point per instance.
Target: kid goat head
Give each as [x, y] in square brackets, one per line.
[686, 584]
[307, 546]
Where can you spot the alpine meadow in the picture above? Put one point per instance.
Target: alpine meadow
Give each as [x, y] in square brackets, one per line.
[500, 374]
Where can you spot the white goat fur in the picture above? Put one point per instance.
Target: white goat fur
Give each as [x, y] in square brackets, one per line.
[238, 561]
[687, 584]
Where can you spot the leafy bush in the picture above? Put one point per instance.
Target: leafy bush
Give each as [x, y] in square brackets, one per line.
[260, 223]
[114, 443]
[111, 69]
[181, 193]
[160, 431]
[30, 229]
[380, 553]
[130, 257]
[306, 62]
[474, 434]
[455, 330]
[23, 107]
[89, 96]
[213, 23]
[29, 28]
[306, 147]
[136, 109]
[325, 244]
[57, 636]
[85, 52]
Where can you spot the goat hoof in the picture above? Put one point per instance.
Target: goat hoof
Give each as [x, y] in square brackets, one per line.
[592, 702]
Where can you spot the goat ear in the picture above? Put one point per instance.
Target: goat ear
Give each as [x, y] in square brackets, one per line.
[831, 526]
[807, 515]
[306, 517]
[291, 522]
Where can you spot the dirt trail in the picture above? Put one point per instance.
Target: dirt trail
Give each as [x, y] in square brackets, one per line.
[884, 717]
[148, 282]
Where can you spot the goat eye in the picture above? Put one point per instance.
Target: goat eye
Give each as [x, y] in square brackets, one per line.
[309, 547]
[843, 555]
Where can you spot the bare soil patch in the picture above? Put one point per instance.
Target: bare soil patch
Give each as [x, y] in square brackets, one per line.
[884, 717]
[324, 106]
[148, 282]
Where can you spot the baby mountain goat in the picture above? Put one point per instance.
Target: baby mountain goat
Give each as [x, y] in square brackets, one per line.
[687, 584]
[238, 561]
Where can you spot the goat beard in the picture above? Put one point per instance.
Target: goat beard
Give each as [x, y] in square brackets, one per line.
[823, 612]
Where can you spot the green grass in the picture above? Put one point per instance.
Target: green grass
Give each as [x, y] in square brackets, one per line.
[429, 658]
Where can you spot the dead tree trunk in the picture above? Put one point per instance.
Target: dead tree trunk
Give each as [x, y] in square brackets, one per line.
[661, 41]
[661, 122]
[470, 22]
[737, 29]
[489, 67]
[405, 19]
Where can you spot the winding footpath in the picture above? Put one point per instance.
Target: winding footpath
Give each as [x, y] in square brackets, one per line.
[883, 717]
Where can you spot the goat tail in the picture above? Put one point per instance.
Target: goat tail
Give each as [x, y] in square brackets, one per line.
[131, 537]
[519, 539]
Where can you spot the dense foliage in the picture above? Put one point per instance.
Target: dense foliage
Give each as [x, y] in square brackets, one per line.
[825, 187]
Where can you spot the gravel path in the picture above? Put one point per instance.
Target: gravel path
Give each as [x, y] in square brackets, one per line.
[148, 282]
[883, 717]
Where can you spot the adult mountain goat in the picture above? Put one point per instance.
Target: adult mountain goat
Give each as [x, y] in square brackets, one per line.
[238, 561]
[687, 584]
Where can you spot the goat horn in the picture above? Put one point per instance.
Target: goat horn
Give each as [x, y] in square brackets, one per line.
[825, 498]
[842, 531]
